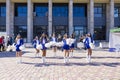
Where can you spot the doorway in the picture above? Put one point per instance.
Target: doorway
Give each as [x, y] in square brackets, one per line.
[60, 30]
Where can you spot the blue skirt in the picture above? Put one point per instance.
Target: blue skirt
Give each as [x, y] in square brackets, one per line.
[17, 48]
[72, 46]
[43, 47]
[87, 46]
[35, 46]
[66, 47]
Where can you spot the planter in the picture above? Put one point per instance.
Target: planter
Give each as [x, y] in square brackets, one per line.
[114, 38]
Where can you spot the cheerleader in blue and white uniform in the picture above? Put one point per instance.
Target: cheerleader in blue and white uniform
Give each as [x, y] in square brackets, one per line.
[87, 42]
[72, 45]
[35, 43]
[54, 47]
[66, 48]
[43, 41]
[19, 42]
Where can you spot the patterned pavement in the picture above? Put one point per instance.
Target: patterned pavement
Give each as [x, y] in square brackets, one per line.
[104, 66]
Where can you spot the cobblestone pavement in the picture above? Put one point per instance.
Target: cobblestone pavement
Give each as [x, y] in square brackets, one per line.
[104, 66]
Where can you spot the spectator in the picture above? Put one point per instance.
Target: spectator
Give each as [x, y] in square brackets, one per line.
[1, 43]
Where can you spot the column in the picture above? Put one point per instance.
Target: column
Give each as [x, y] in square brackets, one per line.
[107, 21]
[91, 17]
[8, 18]
[70, 17]
[29, 21]
[50, 17]
[109, 18]
[12, 20]
[111, 14]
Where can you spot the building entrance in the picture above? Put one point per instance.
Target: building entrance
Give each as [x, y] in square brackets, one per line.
[38, 30]
[60, 30]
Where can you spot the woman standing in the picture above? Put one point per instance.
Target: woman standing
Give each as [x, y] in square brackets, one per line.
[43, 41]
[87, 42]
[54, 47]
[19, 42]
[66, 49]
[72, 45]
[35, 43]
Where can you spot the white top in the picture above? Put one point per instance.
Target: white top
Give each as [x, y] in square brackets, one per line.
[53, 39]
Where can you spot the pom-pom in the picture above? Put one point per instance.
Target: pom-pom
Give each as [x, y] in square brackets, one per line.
[52, 43]
[13, 47]
[39, 46]
[92, 45]
[59, 44]
[22, 47]
[48, 45]
[8, 48]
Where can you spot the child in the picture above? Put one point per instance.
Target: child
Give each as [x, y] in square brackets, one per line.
[72, 45]
[87, 42]
[43, 41]
[66, 49]
[35, 43]
[54, 47]
[19, 42]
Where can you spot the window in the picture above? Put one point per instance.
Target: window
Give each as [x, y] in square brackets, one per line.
[2, 28]
[99, 10]
[22, 30]
[80, 30]
[20, 10]
[41, 9]
[60, 10]
[99, 33]
[117, 11]
[2, 10]
[79, 10]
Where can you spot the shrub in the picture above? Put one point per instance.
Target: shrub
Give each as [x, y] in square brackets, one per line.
[117, 30]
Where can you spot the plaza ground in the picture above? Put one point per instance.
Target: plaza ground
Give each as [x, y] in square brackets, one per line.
[104, 66]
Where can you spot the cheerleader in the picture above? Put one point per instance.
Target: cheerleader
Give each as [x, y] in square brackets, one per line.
[19, 42]
[66, 49]
[54, 39]
[35, 43]
[87, 42]
[43, 41]
[72, 45]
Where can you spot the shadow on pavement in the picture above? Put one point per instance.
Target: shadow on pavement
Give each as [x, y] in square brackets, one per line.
[114, 64]
[10, 54]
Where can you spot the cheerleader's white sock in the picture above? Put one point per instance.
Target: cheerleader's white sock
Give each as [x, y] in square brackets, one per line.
[20, 59]
[54, 54]
[65, 60]
[43, 59]
[89, 58]
[71, 54]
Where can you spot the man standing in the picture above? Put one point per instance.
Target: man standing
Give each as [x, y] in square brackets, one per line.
[1, 43]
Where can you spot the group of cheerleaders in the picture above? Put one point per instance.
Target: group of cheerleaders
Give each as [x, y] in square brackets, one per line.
[66, 47]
